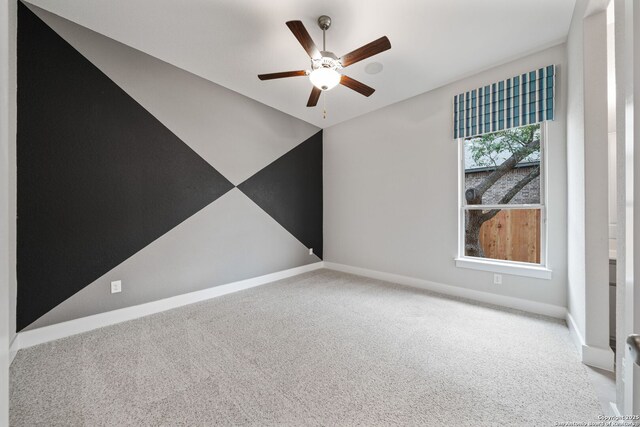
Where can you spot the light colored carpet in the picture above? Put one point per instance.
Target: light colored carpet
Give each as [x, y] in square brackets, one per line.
[323, 348]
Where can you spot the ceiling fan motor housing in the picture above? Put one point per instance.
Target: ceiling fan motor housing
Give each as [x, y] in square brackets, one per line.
[327, 60]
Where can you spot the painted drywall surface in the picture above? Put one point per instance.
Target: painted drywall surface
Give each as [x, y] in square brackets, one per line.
[596, 181]
[391, 190]
[192, 259]
[613, 196]
[99, 176]
[7, 138]
[229, 42]
[587, 154]
[575, 169]
[237, 135]
[12, 190]
[231, 240]
[290, 190]
[611, 128]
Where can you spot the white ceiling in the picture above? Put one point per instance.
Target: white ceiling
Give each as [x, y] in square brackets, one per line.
[229, 42]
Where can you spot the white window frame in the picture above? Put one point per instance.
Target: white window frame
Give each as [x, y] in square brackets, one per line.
[540, 271]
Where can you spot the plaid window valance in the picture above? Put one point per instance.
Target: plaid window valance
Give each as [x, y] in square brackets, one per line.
[520, 100]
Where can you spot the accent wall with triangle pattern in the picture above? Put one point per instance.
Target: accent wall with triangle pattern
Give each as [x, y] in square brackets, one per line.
[127, 170]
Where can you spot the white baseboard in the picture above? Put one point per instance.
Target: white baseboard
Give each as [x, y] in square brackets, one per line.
[592, 356]
[486, 297]
[597, 357]
[72, 327]
[614, 408]
[602, 358]
[575, 333]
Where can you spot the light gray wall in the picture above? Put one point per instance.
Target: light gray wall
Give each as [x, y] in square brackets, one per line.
[391, 189]
[575, 168]
[596, 181]
[587, 171]
[232, 238]
[7, 217]
[235, 134]
[611, 128]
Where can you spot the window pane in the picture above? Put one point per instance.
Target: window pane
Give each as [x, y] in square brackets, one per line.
[503, 167]
[507, 234]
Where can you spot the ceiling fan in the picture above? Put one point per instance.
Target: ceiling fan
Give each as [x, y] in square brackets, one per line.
[325, 65]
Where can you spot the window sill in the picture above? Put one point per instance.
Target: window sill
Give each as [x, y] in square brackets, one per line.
[514, 269]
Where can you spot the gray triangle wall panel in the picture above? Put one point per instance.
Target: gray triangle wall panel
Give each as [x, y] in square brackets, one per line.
[290, 190]
[99, 177]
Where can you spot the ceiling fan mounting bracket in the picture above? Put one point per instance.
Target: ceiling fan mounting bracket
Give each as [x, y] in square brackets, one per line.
[324, 22]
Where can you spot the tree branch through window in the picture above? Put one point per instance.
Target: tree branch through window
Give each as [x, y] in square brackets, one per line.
[497, 156]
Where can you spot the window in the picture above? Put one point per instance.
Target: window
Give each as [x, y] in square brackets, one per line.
[502, 199]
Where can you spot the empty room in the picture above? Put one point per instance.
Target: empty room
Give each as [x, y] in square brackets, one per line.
[337, 213]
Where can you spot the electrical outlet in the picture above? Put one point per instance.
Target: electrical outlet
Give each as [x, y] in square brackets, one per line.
[116, 286]
[310, 251]
[497, 279]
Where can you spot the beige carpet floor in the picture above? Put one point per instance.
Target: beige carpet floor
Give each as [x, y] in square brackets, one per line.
[323, 348]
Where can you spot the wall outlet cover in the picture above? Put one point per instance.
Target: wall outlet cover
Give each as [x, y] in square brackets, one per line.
[116, 286]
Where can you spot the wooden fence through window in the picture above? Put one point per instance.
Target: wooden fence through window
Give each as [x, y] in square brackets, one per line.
[513, 234]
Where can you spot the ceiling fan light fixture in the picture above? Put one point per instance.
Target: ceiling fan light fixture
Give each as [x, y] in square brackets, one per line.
[324, 74]
[325, 78]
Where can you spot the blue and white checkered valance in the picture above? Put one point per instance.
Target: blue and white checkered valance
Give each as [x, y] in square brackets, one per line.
[520, 100]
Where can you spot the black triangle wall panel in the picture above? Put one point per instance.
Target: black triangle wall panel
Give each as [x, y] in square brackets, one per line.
[99, 177]
[290, 190]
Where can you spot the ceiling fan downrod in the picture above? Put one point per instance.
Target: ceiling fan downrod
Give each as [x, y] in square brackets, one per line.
[324, 22]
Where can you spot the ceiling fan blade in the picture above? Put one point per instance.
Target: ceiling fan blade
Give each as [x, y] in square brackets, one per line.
[356, 85]
[313, 98]
[301, 33]
[366, 51]
[281, 75]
